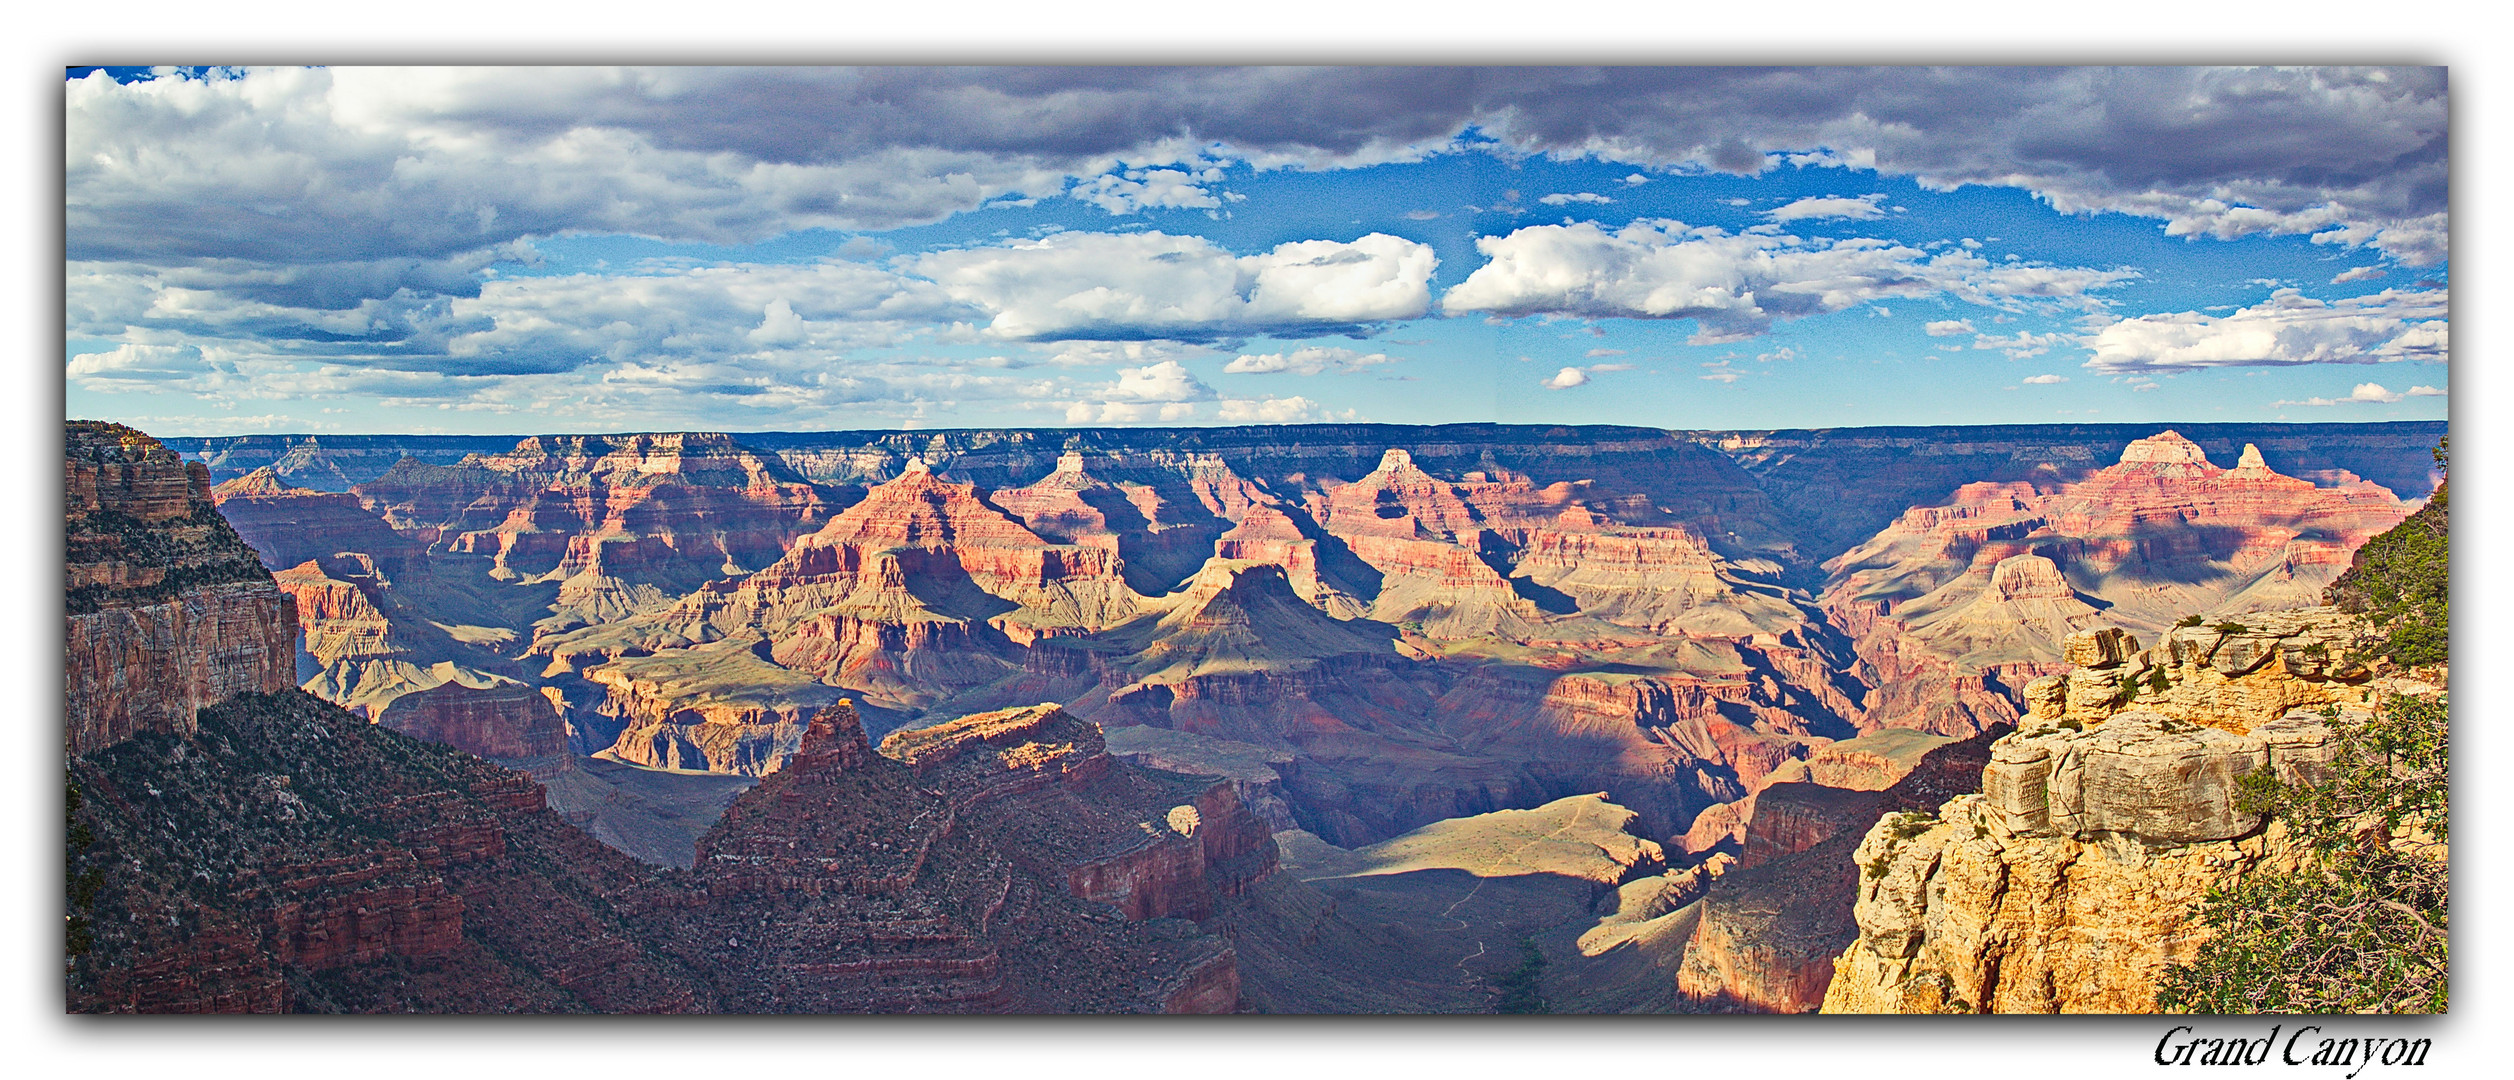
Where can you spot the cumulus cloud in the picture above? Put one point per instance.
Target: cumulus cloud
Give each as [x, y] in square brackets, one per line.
[1151, 284]
[2357, 273]
[1311, 360]
[1735, 285]
[1863, 208]
[1566, 379]
[1168, 381]
[1948, 328]
[2288, 328]
[132, 366]
[2045, 380]
[1564, 199]
[2370, 393]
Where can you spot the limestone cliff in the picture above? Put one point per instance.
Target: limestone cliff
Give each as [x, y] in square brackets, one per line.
[2067, 884]
[168, 609]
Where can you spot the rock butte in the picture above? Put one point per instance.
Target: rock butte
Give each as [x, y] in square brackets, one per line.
[1955, 607]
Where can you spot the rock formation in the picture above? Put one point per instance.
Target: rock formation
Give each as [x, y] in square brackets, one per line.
[1955, 607]
[168, 609]
[2068, 882]
[290, 526]
[843, 883]
[616, 524]
[287, 856]
[1769, 927]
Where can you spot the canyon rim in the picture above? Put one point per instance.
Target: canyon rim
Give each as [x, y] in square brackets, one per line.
[1247, 540]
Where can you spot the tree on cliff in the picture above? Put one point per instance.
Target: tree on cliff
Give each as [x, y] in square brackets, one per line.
[2361, 926]
[2401, 582]
[1521, 989]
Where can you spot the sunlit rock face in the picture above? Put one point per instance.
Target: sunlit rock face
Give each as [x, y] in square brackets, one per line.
[2067, 882]
[1981, 590]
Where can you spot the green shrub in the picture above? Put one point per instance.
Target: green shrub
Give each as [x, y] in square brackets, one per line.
[2362, 926]
[2401, 583]
[1521, 988]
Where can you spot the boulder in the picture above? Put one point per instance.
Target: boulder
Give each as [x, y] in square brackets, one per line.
[2301, 746]
[2161, 780]
[2099, 648]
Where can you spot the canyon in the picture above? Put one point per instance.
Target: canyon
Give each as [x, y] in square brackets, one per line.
[1173, 707]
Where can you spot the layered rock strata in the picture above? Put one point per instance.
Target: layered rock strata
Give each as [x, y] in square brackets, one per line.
[168, 610]
[2068, 884]
[1954, 603]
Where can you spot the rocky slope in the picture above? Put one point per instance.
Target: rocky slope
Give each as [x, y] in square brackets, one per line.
[1768, 927]
[168, 610]
[287, 856]
[1955, 603]
[844, 883]
[1429, 920]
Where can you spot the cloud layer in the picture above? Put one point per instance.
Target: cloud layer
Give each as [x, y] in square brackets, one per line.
[1735, 284]
[2289, 328]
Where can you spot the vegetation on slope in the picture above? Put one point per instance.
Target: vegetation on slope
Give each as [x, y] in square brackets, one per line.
[2362, 925]
[2401, 581]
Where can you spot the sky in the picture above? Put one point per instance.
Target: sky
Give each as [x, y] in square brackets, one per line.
[512, 250]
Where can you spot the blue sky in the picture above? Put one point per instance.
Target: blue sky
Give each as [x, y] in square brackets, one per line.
[513, 250]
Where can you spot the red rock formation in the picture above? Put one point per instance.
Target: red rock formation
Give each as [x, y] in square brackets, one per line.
[620, 522]
[1987, 584]
[168, 610]
[886, 895]
[289, 526]
[375, 874]
[1152, 844]
[502, 720]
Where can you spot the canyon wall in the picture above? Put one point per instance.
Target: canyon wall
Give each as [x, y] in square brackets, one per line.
[168, 609]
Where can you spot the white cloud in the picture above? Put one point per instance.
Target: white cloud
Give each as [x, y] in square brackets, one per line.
[1123, 285]
[2357, 273]
[1949, 328]
[1311, 360]
[1168, 380]
[1636, 179]
[2288, 328]
[1723, 376]
[1566, 379]
[1863, 208]
[2045, 380]
[2370, 394]
[1734, 285]
[1140, 188]
[1563, 199]
[1595, 353]
[2022, 345]
[135, 367]
[1290, 410]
